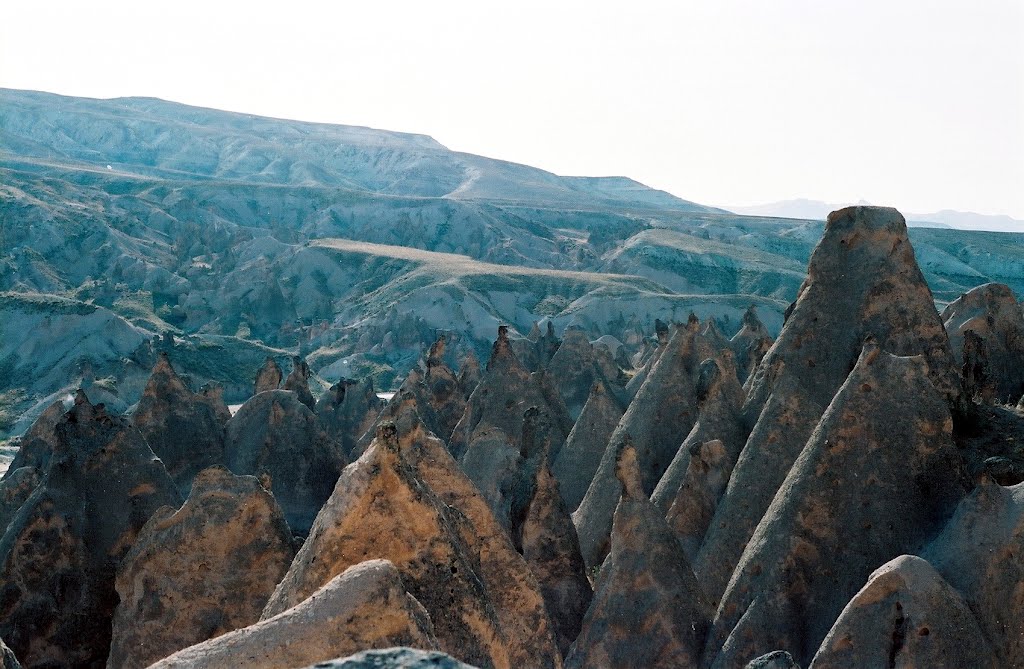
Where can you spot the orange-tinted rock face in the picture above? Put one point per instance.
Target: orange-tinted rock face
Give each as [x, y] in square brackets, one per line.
[862, 282]
[905, 616]
[237, 546]
[366, 606]
[60, 552]
[878, 478]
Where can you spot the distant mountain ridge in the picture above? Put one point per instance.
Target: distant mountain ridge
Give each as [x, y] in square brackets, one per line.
[802, 208]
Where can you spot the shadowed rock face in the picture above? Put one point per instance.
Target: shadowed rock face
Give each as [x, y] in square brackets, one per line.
[978, 553]
[750, 344]
[38, 442]
[438, 395]
[469, 374]
[862, 281]
[366, 606]
[268, 377]
[7, 658]
[298, 382]
[574, 370]
[648, 610]
[59, 555]
[14, 491]
[213, 393]
[274, 433]
[180, 426]
[581, 455]
[394, 658]
[548, 542]
[663, 410]
[877, 479]
[347, 410]
[647, 359]
[237, 547]
[697, 497]
[497, 405]
[464, 571]
[992, 313]
[720, 403]
[906, 616]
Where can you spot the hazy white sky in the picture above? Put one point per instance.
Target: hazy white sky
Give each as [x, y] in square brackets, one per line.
[914, 103]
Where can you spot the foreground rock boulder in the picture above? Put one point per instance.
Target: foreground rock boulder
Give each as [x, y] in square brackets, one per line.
[978, 553]
[394, 658]
[648, 609]
[181, 427]
[452, 555]
[366, 606]
[906, 616]
[878, 479]
[274, 433]
[862, 281]
[236, 548]
[59, 555]
[992, 313]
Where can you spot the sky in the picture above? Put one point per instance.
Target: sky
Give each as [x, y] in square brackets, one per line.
[914, 104]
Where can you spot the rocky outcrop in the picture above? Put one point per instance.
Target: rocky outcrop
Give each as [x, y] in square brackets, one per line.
[394, 658]
[696, 499]
[978, 553]
[777, 659]
[181, 427]
[298, 382]
[648, 609]
[274, 433]
[647, 358]
[452, 555]
[268, 377]
[574, 370]
[38, 442]
[347, 410]
[878, 478]
[59, 555]
[992, 313]
[906, 616]
[213, 394]
[439, 398]
[580, 457]
[862, 281]
[469, 374]
[238, 548]
[750, 344]
[366, 606]
[7, 658]
[14, 491]
[548, 542]
[663, 409]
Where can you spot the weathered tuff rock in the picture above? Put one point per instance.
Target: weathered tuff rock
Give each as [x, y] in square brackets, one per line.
[719, 399]
[213, 393]
[579, 458]
[268, 377]
[453, 556]
[298, 382]
[647, 358]
[664, 409]
[7, 658]
[236, 546]
[14, 491]
[180, 426]
[777, 659]
[59, 555]
[38, 442]
[274, 433]
[394, 658]
[862, 281]
[877, 479]
[506, 390]
[978, 553]
[648, 609]
[347, 410]
[574, 370]
[750, 344]
[366, 606]
[438, 395]
[469, 374]
[548, 542]
[906, 616]
[707, 474]
[991, 311]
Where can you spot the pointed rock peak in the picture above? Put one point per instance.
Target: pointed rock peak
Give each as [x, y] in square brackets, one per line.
[83, 411]
[501, 353]
[751, 319]
[661, 331]
[268, 377]
[298, 382]
[534, 334]
[693, 323]
[436, 353]
[551, 330]
[627, 470]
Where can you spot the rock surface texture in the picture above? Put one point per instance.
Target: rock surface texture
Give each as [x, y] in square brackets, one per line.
[199, 571]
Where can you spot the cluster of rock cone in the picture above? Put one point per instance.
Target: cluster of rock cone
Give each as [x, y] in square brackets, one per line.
[846, 495]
